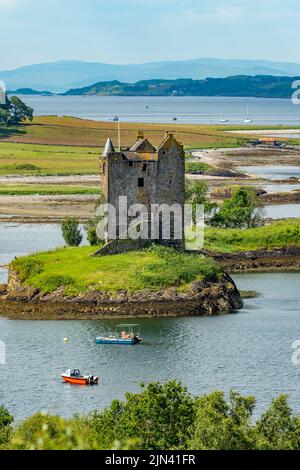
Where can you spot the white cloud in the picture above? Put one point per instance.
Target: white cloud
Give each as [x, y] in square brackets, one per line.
[219, 16]
[7, 4]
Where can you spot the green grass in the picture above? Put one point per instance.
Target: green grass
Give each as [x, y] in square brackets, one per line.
[47, 189]
[276, 235]
[152, 269]
[46, 160]
[198, 167]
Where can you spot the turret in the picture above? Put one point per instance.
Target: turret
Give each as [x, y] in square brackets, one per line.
[108, 149]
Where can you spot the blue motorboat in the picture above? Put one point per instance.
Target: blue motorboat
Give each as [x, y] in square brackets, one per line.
[124, 334]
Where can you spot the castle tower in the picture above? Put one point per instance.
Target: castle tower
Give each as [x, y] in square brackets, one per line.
[147, 176]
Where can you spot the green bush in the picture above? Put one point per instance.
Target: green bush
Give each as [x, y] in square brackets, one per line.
[161, 417]
[158, 417]
[27, 267]
[222, 425]
[71, 232]
[241, 211]
[6, 420]
[45, 432]
[91, 232]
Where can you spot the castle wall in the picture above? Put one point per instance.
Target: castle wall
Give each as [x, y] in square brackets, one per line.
[159, 181]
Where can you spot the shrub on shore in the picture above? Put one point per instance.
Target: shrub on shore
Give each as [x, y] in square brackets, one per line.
[71, 232]
[162, 417]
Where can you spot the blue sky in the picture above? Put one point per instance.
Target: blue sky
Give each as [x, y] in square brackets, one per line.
[132, 31]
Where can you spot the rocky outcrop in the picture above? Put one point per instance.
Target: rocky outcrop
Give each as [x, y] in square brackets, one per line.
[203, 298]
[277, 259]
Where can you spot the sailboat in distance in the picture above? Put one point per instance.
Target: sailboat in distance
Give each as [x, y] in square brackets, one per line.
[222, 119]
[247, 120]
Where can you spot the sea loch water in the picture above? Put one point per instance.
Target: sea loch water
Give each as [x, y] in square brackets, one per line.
[249, 351]
[187, 109]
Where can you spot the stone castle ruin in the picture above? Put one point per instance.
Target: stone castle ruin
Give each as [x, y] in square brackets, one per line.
[148, 176]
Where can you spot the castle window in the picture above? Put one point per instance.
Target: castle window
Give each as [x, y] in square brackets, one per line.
[144, 167]
[103, 168]
[141, 182]
[130, 163]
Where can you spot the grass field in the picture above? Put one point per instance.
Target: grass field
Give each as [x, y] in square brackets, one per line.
[53, 130]
[69, 146]
[26, 159]
[54, 145]
[49, 189]
[152, 269]
[276, 235]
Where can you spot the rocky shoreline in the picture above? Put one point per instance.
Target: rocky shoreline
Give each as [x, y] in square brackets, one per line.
[277, 259]
[202, 299]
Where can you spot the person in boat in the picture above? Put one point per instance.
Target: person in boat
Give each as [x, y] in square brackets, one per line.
[124, 335]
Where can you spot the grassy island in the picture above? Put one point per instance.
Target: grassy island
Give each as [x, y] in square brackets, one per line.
[74, 270]
[276, 235]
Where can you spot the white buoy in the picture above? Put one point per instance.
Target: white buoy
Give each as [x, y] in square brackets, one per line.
[66, 340]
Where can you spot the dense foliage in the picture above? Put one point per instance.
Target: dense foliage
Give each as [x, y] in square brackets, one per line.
[71, 232]
[161, 416]
[263, 86]
[14, 112]
[196, 194]
[241, 211]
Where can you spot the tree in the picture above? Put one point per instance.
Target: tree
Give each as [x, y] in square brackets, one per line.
[6, 421]
[278, 428]
[19, 111]
[91, 233]
[158, 417]
[71, 232]
[242, 210]
[196, 194]
[45, 432]
[14, 112]
[4, 115]
[91, 225]
[220, 425]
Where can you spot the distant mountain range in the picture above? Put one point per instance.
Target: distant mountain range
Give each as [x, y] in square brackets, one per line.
[60, 76]
[259, 86]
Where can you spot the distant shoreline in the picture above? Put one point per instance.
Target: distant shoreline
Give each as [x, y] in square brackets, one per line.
[247, 86]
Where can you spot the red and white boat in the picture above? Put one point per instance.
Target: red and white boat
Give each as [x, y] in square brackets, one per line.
[74, 376]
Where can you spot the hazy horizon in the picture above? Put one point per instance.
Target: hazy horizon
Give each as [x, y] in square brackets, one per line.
[132, 32]
[236, 59]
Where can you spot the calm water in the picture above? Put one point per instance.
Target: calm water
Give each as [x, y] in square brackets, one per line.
[164, 109]
[273, 172]
[283, 211]
[280, 188]
[249, 351]
[21, 239]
